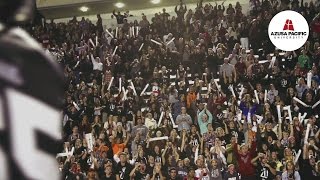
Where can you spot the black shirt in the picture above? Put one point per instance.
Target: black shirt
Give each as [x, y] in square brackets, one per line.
[123, 171]
[120, 18]
[112, 177]
[272, 134]
[264, 173]
[141, 176]
[234, 176]
[212, 62]
[307, 171]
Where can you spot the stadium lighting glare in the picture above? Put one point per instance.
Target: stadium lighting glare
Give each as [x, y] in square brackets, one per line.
[155, 1]
[119, 5]
[84, 8]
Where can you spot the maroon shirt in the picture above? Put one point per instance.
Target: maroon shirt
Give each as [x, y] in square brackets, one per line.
[245, 167]
[240, 68]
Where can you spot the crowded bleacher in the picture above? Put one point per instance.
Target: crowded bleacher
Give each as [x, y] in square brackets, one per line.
[201, 95]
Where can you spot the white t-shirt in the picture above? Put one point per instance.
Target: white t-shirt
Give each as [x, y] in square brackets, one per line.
[286, 176]
[198, 173]
[96, 65]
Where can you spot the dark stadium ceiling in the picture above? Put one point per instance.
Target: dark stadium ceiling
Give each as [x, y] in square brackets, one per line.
[104, 6]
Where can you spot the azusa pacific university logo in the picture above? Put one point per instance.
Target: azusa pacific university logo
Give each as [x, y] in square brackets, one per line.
[288, 25]
[286, 36]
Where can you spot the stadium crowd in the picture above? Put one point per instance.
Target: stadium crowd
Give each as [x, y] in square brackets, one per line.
[200, 95]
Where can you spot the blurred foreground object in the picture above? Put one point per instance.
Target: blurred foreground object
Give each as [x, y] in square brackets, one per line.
[31, 88]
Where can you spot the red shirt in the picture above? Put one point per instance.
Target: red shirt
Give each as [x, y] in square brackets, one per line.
[240, 67]
[245, 167]
[316, 27]
[212, 105]
[107, 77]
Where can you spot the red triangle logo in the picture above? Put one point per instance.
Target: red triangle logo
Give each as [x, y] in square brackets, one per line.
[288, 25]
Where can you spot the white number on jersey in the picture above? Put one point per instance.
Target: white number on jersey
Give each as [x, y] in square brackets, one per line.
[264, 174]
[3, 159]
[26, 116]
